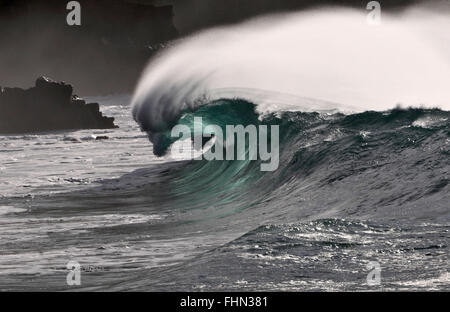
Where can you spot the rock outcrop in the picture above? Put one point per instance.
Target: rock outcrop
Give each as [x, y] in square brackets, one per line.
[47, 106]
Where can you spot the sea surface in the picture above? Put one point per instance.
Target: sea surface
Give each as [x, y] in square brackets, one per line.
[355, 195]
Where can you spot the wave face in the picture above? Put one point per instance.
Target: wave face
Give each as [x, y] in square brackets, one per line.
[330, 164]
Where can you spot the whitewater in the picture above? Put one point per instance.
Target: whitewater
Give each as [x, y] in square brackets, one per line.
[363, 177]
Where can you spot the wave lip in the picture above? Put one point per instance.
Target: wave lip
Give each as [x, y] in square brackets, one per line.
[309, 54]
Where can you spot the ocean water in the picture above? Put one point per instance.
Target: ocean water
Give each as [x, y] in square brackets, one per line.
[351, 189]
[360, 200]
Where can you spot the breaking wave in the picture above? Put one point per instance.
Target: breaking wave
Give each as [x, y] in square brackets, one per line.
[342, 155]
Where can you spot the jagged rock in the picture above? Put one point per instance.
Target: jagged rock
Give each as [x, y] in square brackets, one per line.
[49, 105]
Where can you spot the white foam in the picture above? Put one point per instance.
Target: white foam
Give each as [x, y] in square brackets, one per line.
[332, 55]
[9, 209]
